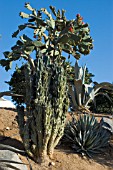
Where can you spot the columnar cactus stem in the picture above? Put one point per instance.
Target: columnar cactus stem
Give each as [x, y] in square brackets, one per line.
[45, 92]
[46, 108]
[28, 88]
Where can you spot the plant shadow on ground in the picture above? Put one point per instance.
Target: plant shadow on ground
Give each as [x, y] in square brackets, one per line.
[11, 142]
[104, 158]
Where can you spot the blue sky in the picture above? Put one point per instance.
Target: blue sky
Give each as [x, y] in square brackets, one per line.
[99, 15]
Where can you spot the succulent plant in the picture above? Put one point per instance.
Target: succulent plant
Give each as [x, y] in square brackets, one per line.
[70, 36]
[82, 94]
[46, 92]
[86, 135]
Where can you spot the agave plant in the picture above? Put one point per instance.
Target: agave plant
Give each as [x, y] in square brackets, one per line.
[86, 135]
[82, 94]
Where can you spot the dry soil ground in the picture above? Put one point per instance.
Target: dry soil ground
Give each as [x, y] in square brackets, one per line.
[64, 158]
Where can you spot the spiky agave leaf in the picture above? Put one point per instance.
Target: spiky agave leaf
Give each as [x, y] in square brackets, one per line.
[86, 135]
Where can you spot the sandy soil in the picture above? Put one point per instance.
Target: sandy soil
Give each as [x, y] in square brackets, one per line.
[64, 157]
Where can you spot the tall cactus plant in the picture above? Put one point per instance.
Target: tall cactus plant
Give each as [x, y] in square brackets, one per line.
[47, 104]
[46, 92]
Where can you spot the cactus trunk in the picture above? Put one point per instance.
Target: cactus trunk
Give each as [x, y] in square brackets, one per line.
[46, 107]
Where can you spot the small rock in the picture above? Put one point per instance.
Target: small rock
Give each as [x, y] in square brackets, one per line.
[76, 156]
[84, 157]
[107, 123]
[7, 128]
[10, 160]
[52, 163]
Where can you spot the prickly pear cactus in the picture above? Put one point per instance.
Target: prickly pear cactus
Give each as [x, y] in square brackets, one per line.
[46, 97]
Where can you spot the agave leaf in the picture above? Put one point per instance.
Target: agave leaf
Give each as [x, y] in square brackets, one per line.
[78, 141]
[98, 145]
[80, 72]
[90, 97]
[83, 76]
[71, 92]
[97, 88]
[78, 88]
[68, 136]
[86, 137]
[88, 122]
[76, 68]
[90, 136]
[81, 123]
[95, 151]
[92, 141]
[80, 136]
